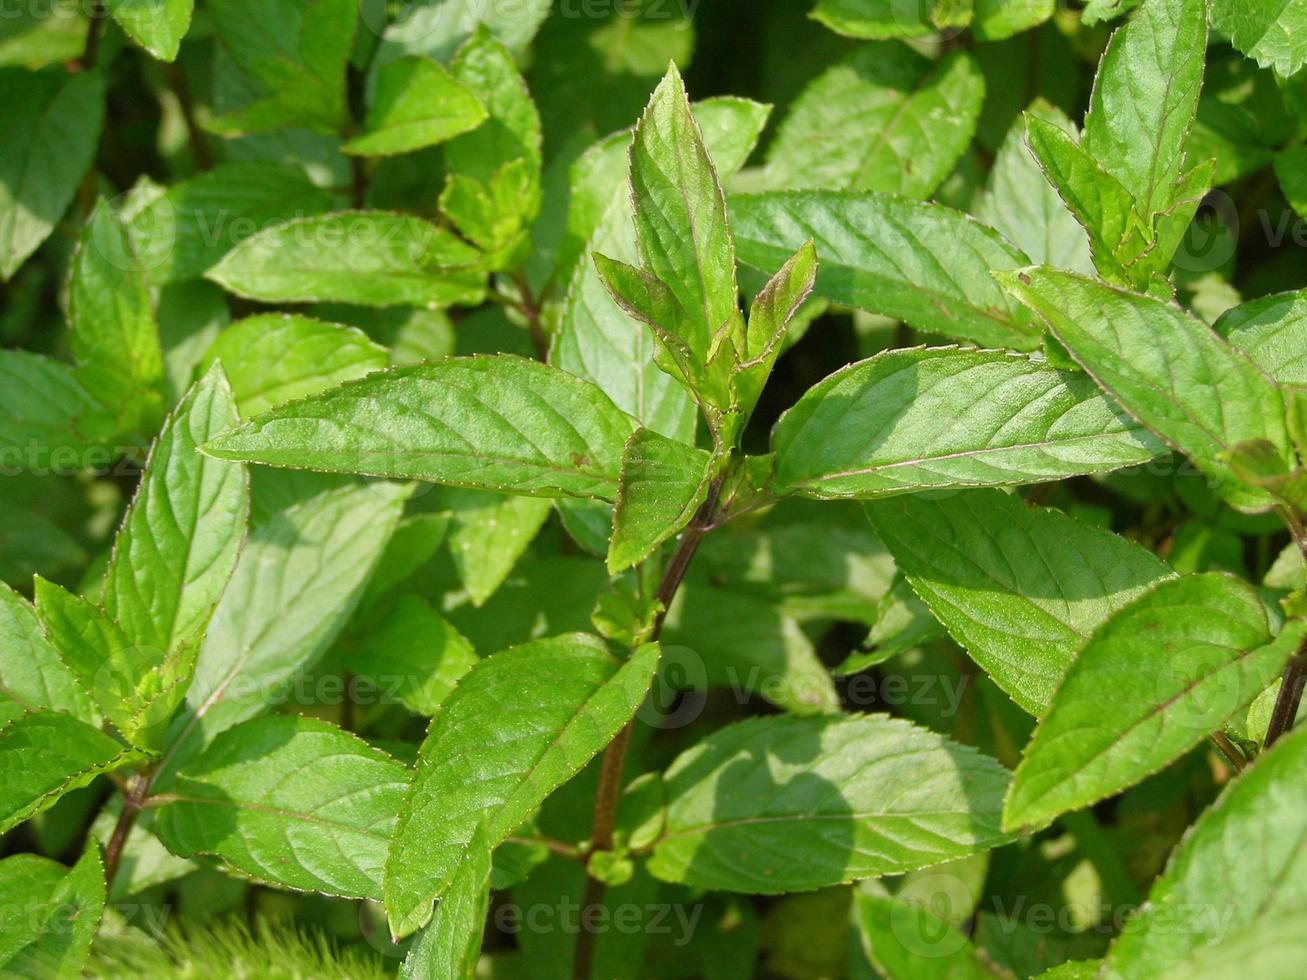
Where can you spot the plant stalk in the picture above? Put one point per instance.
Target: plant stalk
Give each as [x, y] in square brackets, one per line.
[614, 757]
[1290, 696]
[133, 801]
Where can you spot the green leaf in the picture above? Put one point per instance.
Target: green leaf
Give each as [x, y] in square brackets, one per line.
[744, 643]
[995, 20]
[156, 25]
[497, 423]
[1145, 96]
[294, 802]
[680, 224]
[663, 483]
[483, 766]
[44, 755]
[1020, 588]
[1176, 664]
[1117, 235]
[293, 590]
[292, 54]
[770, 316]
[179, 541]
[873, 20]
[369, 258]
[414, 655]
[113, 334]
[1269, 31]
[922, 418]
[274, 358]
[489, 532]
[437, 28]
[595, 337]
[1266, 804]
[907, 941]
[32, 677]
[1167, 368]
[1025, 208]
[883, 119]
[1272, 331]
[187, 229]
[448, 948]
[136, 687]
[925, 264]
[512, 130]
[416, 102]
[781, 804]
[51, 120]
[43, 410]
[60, 913]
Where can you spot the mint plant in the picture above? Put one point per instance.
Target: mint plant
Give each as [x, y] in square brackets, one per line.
[472, 510]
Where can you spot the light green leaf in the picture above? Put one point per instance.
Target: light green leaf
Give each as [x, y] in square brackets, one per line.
[1272, 331]
[1269, 31]
[680, 223]
[497, 423]
[873, 20]
[32, 677]
[482, 765]
[925, 264]
[113, 334]
[488, 533]
[595, 338]
[922, 418]
[1217, 884]
[136, 687]
[1145, 96]
[883, 119]
[274, 358]
[1117, 235]
[51, 120]
[156, 25]
[294, 802]
[512, 131]
[1177, 663]
[448, 948]
[905, 940]
[769, 317]
[52, 914]
[187, 229]
[44, 755]
[293, 590]
[1167, 368]
[1020, 588]
[292, 54]
[369, 258]
[416, 102]
[179, 540]
[414, 656]
[1025, 208]
[438, 27]
[662, 485]
[43, 410]
[994, 20]
[783, 804]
